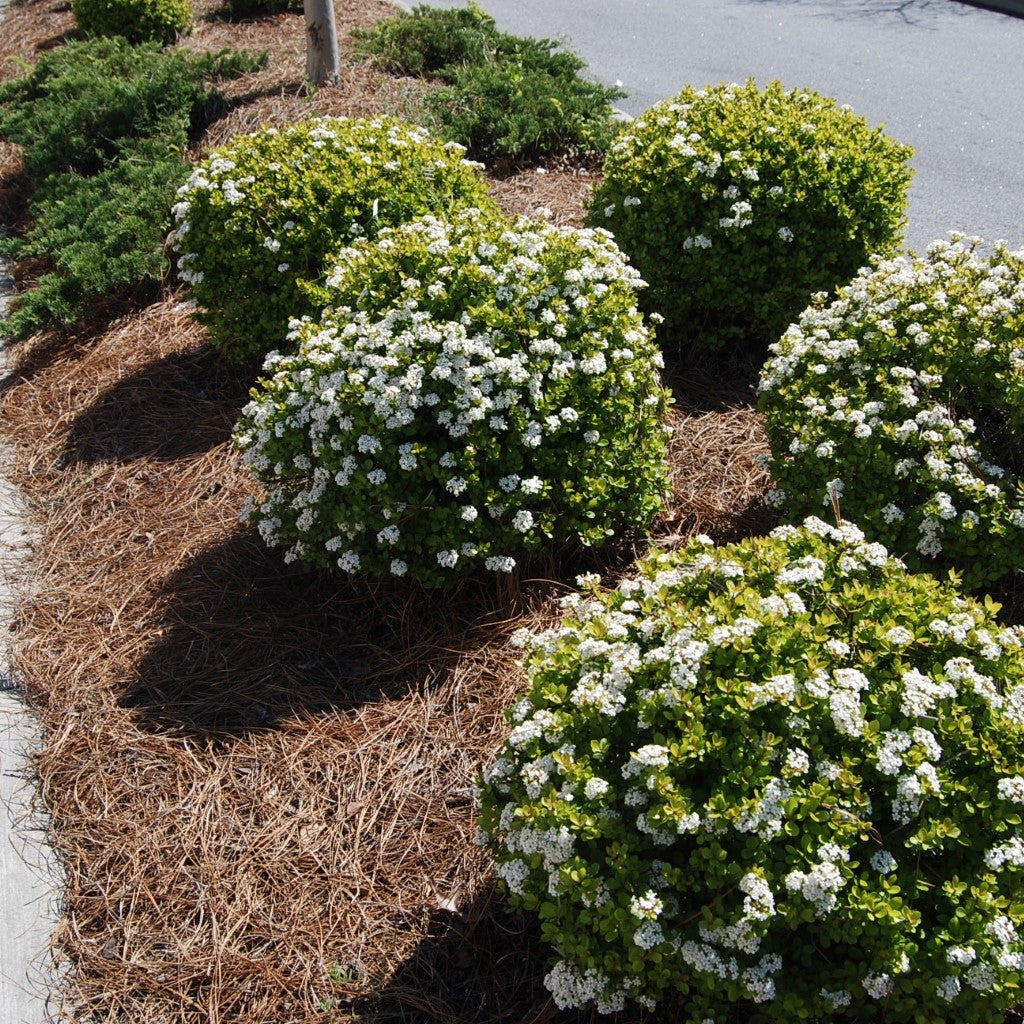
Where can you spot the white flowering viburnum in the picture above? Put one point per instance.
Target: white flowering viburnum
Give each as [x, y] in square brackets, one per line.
[475, 389]
[905, 398]
[258, 218]
[738, 204]
[702, 796]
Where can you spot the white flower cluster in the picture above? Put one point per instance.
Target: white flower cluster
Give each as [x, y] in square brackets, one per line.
[821, 884]
[401, 410]
[931, 480]
[571, 987]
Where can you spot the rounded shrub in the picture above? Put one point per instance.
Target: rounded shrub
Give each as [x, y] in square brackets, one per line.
[257, 219]
[473, 391]
[776, 780]
[138, 21]
[904, 399]
[738, 204]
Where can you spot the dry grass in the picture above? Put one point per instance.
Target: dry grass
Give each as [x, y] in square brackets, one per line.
[254, 774]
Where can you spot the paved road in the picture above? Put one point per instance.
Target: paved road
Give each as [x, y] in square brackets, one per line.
[944, 77]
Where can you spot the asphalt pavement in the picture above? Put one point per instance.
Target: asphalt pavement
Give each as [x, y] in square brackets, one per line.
[945, 77]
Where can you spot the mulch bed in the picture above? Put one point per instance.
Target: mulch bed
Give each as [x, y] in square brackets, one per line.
[258, 779]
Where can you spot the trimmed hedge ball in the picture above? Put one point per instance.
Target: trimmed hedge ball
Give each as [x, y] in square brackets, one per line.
[257, 220]
[139, 21]
[781, 779]
[474, 390]
[738, 204]
[904, 399]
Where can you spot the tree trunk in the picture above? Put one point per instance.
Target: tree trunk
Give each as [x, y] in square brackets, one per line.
[322, 64]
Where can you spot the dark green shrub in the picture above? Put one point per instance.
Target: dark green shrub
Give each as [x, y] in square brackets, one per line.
[429, 40]
[528, 103]
[782, 780]
[104, 235]
[138, 21]
[259, 218]
[507, 96]
[104, 125]
[71, 111]
[737, 205]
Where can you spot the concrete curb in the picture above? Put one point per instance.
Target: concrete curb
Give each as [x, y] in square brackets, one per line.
[29, 873]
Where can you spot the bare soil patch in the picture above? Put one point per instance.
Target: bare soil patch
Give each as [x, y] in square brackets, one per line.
[260, 779]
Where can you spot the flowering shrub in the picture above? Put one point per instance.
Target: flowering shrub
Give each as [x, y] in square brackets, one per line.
[737, 205]
[784, 772]
[474, 390]
[139, 21]
[258, 218]
[905, 398]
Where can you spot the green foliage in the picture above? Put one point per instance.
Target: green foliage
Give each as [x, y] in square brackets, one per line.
[139, 21]
[103, 236]
[529, 104]
[507, 96]
[473, 391]
[258, 219]
[782, 778]
[737, 205]
[75, 106]
[104, 125]
[905, 398]
[430, 40]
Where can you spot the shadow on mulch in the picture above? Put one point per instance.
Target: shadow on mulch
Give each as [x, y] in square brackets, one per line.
[33, 356]
[248, 642]
[196, 390]
[714, 381]
[479, 965]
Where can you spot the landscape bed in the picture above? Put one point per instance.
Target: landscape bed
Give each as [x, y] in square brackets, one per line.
[258, 779]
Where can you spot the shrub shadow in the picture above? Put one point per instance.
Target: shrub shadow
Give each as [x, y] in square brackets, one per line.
[33, 355]
[478, 965]
[712, 381]
[248, 641]
[481, 964]
[182, 404]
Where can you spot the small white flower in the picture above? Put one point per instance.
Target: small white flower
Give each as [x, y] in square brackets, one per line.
[883, 861]
[522, 520]
[1011, 788]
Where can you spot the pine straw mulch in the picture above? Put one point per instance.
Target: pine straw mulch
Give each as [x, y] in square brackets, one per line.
[258, 780]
